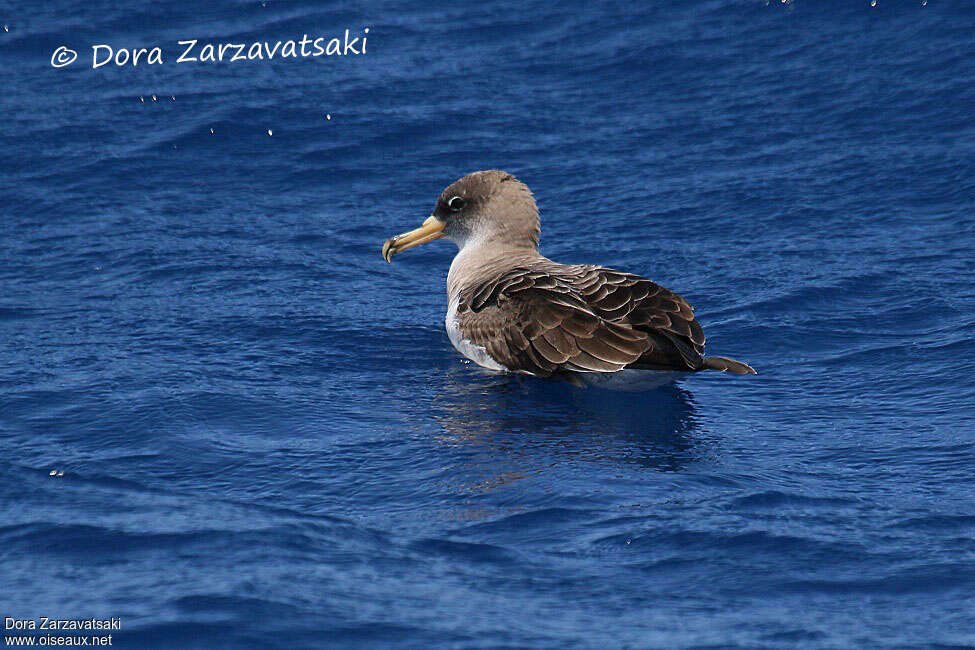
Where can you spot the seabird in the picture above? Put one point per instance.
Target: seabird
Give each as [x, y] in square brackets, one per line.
[511, 309]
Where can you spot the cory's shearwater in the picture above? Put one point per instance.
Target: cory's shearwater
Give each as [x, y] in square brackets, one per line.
[510, 308]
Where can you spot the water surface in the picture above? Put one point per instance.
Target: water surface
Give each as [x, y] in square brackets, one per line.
[267, 439]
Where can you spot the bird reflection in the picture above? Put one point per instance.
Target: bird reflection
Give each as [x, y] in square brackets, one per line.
[528, 423]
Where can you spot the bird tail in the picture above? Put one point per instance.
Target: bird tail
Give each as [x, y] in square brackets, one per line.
[728, 365]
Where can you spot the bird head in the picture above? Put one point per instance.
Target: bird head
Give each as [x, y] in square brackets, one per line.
[487, 206]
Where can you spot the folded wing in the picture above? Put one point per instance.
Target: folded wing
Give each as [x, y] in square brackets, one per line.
[582, 319]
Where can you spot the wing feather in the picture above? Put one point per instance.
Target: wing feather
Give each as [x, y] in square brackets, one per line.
[548, 318]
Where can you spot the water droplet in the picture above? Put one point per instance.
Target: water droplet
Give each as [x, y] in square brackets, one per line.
[270, 132]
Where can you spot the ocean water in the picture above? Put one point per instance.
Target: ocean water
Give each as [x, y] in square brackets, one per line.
[266, 437]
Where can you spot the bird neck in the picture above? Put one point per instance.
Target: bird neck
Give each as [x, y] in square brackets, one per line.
[479, 258]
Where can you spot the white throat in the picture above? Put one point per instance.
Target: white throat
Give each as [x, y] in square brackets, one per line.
[470, 249]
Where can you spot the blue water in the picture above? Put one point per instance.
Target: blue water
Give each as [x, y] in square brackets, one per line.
[266, 437]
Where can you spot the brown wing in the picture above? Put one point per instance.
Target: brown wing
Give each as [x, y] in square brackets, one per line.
[580, 318]
[677, 340]
[534, 322]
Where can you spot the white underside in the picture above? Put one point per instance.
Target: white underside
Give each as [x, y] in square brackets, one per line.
[623, 380]
[628, 380]
[475, 353]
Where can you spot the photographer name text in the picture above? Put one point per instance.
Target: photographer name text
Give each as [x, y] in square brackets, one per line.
[46, 623]
[194, 51]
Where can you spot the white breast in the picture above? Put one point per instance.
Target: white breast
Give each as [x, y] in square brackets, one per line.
[475, 353]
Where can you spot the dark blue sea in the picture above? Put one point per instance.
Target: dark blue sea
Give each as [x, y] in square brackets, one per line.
[226, 422]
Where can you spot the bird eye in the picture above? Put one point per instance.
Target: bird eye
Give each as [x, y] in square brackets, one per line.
[456, 204]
